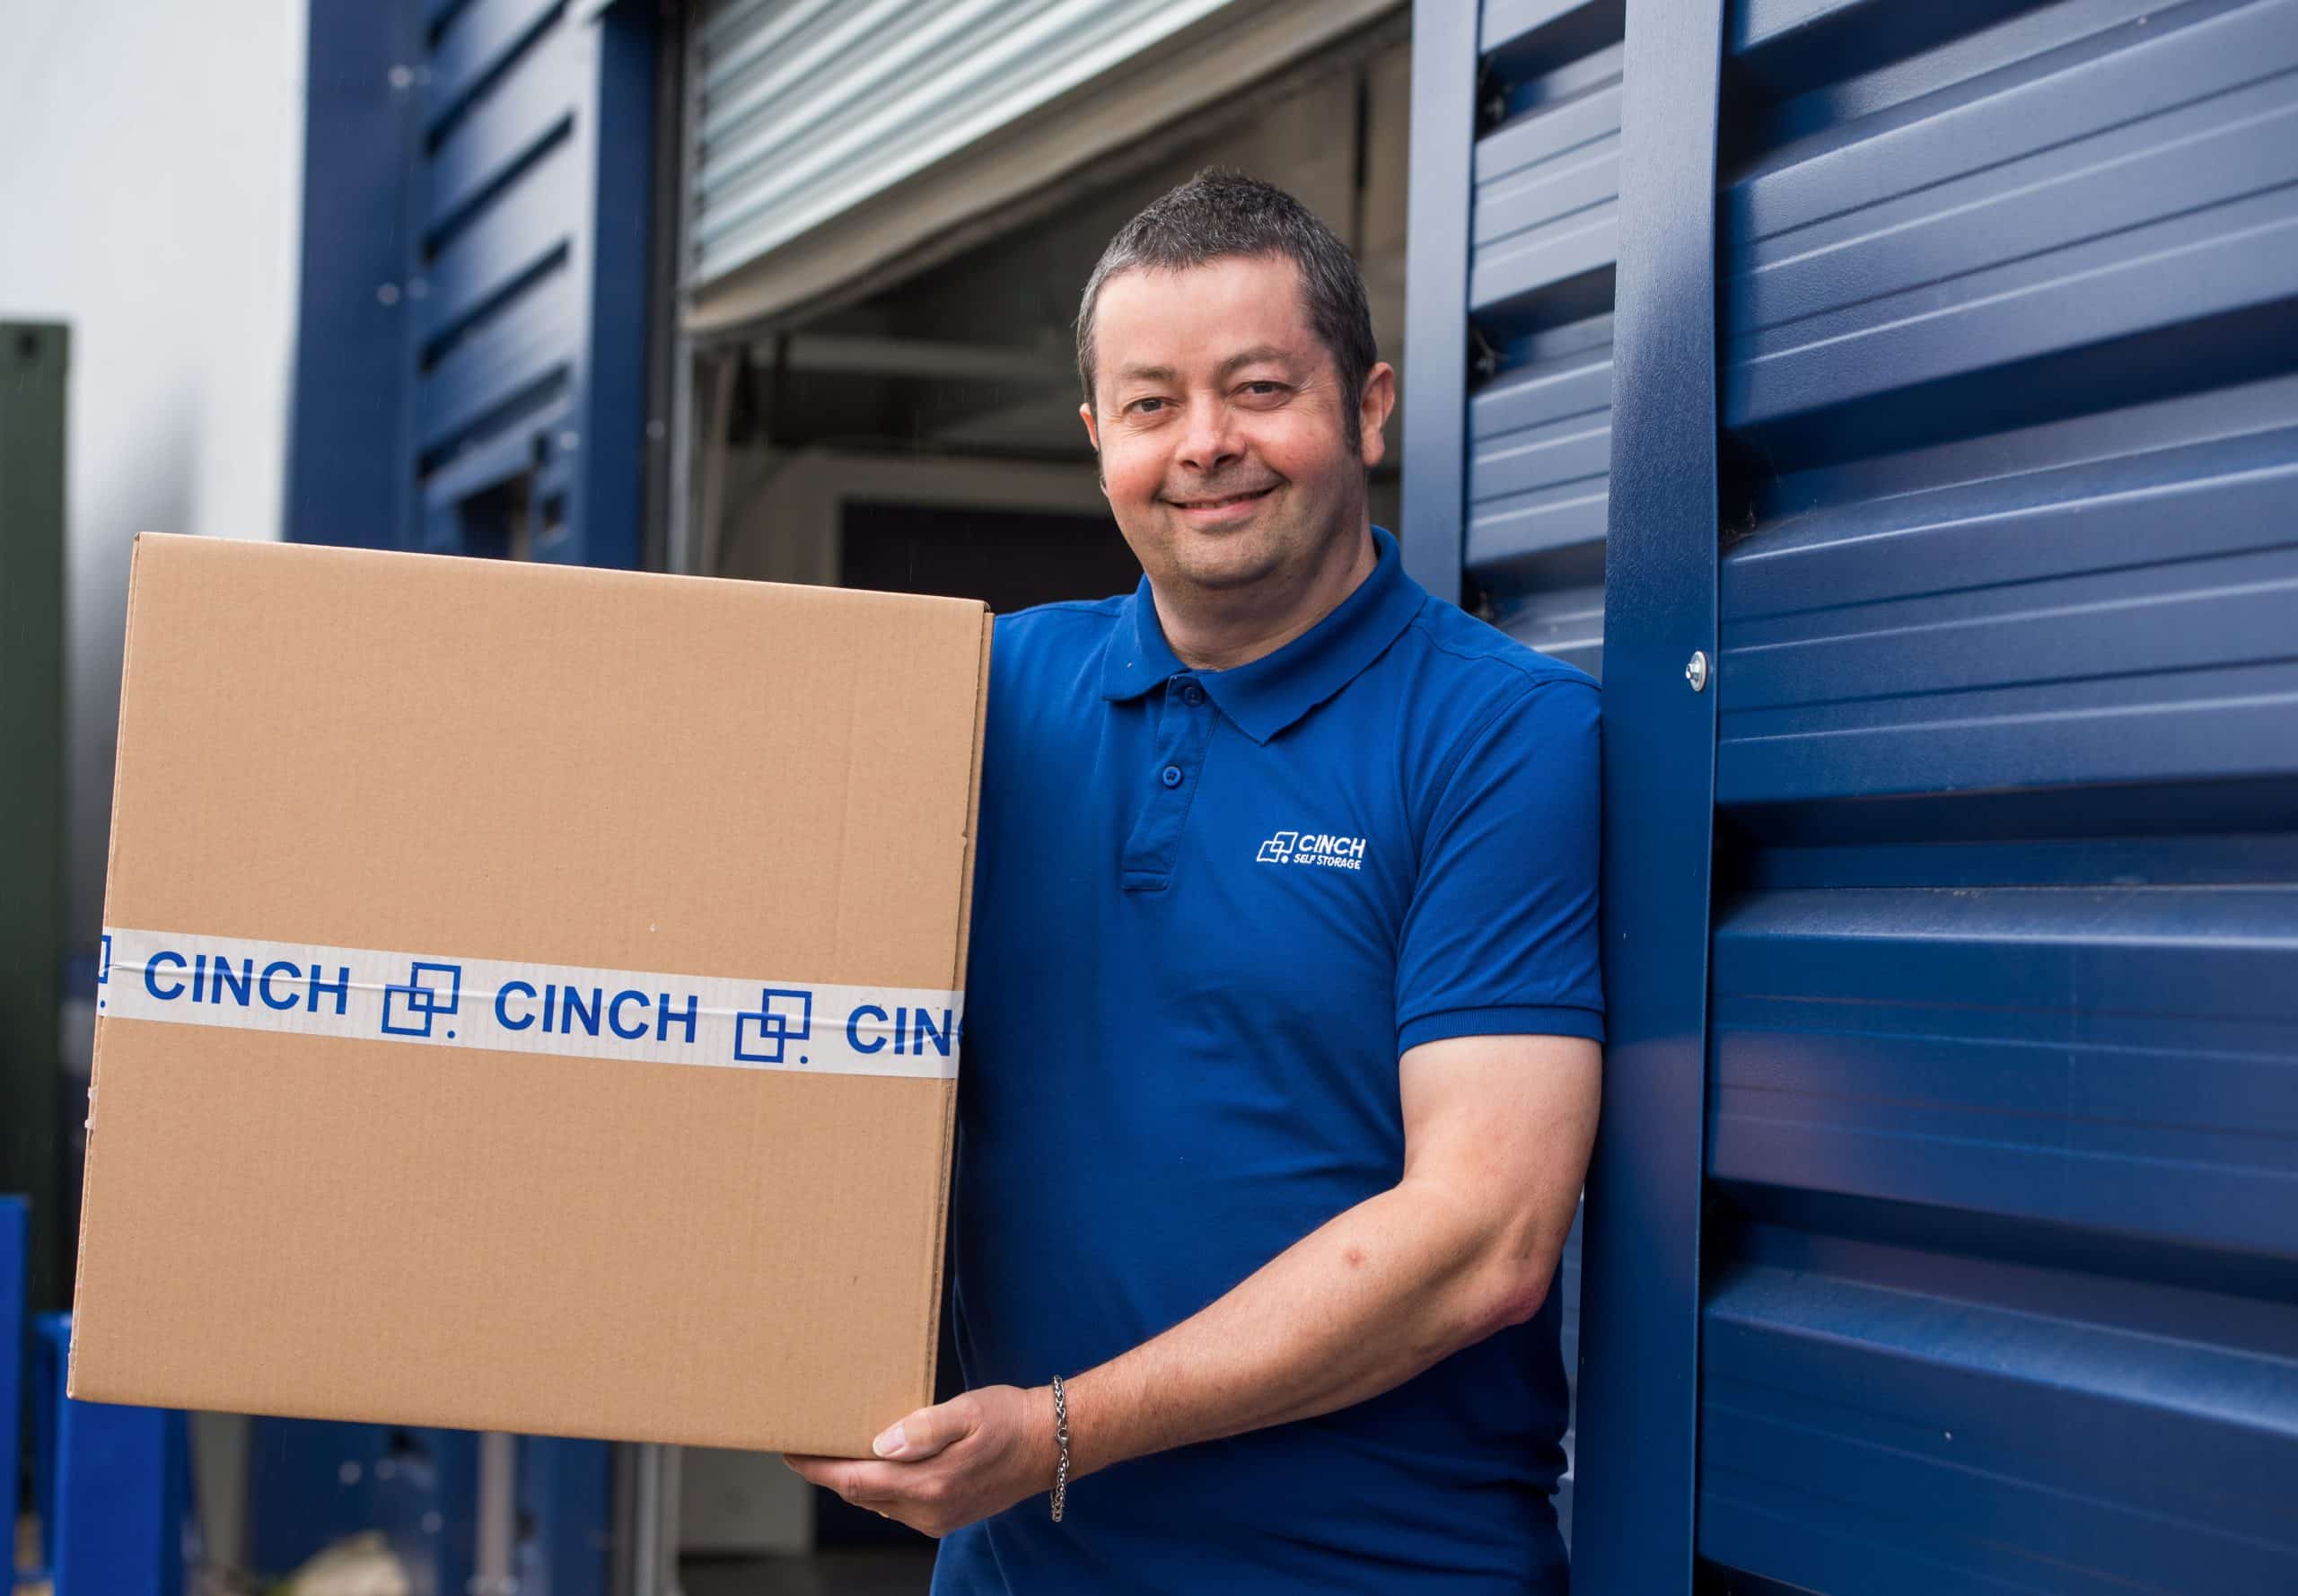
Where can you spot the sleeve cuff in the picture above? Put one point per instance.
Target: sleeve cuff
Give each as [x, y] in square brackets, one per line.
[1523, 1021]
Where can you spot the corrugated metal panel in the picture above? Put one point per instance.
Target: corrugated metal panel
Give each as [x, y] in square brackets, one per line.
[1541, 210]
[474, 312]
[523, 306]
[2114, 579]
[1547, 183]
[2135, 180]
[805, 108]
[503, 183]
[1539, 465]
[2002, 1118]
[1999, 1132]
[1515, 185]
[1544, 233]
[2007, 1433]
[503, 133]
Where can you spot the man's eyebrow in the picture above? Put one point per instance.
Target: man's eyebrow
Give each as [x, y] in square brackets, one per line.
[1243, 357]
[1254, 356]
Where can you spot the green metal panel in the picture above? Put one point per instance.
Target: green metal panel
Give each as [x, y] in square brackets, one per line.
[32, 363]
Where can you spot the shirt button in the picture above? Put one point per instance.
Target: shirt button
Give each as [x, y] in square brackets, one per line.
[1193, 696]
[1171, 776]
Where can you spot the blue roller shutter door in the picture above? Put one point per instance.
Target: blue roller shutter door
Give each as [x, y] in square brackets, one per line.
[1990, 1166]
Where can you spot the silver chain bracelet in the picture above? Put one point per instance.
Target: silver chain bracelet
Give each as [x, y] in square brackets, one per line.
[1061, 1437]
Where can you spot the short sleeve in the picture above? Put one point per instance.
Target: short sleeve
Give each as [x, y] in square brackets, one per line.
[1501, 937]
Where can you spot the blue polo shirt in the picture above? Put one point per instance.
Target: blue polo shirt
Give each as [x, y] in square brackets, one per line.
[1211, 910]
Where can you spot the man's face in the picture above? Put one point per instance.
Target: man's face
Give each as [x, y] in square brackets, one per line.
[1223, 429]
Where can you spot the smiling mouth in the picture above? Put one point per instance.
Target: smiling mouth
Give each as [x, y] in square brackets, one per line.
[1226, 502]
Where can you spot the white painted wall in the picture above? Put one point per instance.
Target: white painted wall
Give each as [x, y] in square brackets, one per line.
[151, 198]
[150, 174]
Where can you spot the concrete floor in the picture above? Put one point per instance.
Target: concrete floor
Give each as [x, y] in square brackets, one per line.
[900, 1571]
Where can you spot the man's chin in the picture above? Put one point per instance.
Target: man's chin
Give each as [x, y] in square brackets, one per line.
[1217, 564]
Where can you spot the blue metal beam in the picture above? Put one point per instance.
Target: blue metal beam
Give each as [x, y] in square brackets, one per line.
[15, 1236]
[1436, 287]
[51, 1365]
[1633, 1509]
[344, 450]
[609, 490]
[122, 1491]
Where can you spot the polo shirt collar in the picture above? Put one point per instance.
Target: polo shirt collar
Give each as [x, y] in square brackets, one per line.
[1267, 694]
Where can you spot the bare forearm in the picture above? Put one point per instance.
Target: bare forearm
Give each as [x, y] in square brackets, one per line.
[1496, 1136]
[1374, 1297]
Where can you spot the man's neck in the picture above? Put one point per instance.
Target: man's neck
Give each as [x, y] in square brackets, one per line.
[1221, 631]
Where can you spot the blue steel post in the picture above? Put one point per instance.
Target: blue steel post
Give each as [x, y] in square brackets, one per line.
[347, 417]
[1436, 292]
[122, 1490]
[51, 1365]
[15, 1236]
[609, 489]
[1639, 1336]
[565, 1510]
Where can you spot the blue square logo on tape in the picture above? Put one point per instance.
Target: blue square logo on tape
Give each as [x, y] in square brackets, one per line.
[432, 989]
[784, 1014]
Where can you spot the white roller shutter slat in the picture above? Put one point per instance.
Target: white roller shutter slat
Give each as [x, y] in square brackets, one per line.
[807, 108]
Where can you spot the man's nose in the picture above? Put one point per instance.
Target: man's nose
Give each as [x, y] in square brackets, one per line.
[1210, 442]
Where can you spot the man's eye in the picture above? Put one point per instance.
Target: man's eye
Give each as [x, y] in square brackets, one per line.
[1263, 387]
[1142, 406]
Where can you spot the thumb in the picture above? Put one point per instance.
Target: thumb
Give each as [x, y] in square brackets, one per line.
[927, 1432]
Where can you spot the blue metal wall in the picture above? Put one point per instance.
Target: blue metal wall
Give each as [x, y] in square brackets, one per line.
[474, 323]
[2002, 1124]
[1983, 1122]
[1515, 234]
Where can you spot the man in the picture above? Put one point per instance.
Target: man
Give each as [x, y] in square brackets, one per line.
[1282, 1042]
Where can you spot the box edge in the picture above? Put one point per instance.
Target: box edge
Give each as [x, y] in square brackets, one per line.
[71, 1381]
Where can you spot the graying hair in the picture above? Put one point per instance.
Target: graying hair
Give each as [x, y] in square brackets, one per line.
[1220, 215]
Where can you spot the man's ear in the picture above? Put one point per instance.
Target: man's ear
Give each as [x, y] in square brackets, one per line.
[1373, 408]
[1093, 433]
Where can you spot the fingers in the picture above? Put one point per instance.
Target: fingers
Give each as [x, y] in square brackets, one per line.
[827, 1472]
[863, 1484]
[927, 1432]
[943, 1467]
[895, 1491]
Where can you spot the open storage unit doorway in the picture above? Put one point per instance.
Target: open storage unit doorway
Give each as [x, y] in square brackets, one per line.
[909, 420]
[946, 382]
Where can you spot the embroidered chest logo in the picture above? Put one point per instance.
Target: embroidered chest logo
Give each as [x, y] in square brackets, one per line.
[1314, 848]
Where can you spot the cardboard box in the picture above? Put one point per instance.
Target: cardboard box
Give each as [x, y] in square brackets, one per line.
[529, 998]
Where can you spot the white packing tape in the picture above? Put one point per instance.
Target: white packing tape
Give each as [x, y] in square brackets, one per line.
[513, 1006]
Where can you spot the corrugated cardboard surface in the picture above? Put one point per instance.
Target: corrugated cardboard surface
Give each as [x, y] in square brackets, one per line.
[571, 767]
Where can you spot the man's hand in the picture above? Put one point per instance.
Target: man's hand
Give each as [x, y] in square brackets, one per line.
[947, 1467]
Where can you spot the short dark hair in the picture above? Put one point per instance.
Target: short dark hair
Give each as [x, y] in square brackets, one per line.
[1218, 215]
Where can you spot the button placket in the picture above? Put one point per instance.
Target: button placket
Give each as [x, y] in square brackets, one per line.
[1184, 732]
